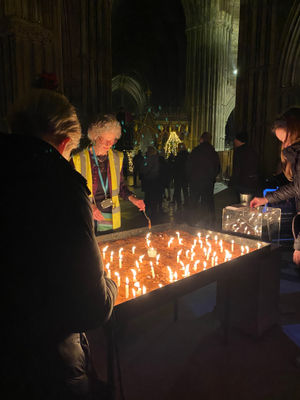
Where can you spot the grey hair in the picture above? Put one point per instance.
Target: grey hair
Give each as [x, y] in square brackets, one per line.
[103, 124]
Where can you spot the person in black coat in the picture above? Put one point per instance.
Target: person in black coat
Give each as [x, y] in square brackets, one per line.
[151, 182]
[137, 161]
[180, 177]
[203, 166]
[245, 178]
[54, 287]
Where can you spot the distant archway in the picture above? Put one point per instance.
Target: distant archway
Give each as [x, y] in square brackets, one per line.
[126, 85]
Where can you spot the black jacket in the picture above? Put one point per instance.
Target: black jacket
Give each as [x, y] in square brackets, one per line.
[203, 164]
[53, 285]
[292, 189]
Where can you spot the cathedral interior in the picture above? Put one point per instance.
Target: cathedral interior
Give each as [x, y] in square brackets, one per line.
[165, 67]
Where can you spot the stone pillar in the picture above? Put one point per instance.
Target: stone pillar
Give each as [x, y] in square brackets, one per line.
[265, 55]
[30, 43]
[87, 55]
[208, 30]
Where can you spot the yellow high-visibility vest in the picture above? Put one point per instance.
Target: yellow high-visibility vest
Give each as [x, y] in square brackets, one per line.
[82, 163]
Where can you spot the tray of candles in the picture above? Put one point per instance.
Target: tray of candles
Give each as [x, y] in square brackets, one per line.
[151, 267]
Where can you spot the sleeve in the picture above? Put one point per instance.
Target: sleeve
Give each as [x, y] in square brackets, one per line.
[283, 193]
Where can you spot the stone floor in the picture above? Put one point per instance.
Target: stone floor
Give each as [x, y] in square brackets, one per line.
[166, 360]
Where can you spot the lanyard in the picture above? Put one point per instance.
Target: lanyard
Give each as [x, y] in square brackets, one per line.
[104, 187]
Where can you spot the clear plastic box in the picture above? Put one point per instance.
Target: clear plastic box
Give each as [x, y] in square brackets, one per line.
[260, 222]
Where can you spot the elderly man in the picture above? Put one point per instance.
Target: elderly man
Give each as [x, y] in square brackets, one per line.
[102, 168]
[54, 286]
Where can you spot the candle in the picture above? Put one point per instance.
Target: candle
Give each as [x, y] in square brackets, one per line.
[187, 253]
[141, 258]
[180, 241]
[118, 278]
[120, 252]
[204, 265]
[195, 265]
[247, 249]
[192, 256]
[178, 255]
[232, 245]
[178, 236]
[111, 256]
[170, 241]
[152, 270]
[216, 239]
[133, 292]
[137, 265]
[157, 259]
[170, 274]
[148, 242]
[144, 289]
[160, 285]
[133, 249]
[120, 262]
[201, 244]
[187, 270]
[108, 270]
[175, 275]
[134, 274]
[103, 251]
[126, 287]
[139, 290]
[199, 235]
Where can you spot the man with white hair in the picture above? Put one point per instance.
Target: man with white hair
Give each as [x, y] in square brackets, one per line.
[102, 168]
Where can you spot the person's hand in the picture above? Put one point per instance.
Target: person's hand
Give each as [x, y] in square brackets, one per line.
[296, 257]
[97, 215]
[258, 201]
[137, 202]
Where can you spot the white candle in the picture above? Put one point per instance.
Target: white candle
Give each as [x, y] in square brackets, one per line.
[232, 245]
[111, 256]
[178, 255]
[216, 239]
[170, 241]
[118, 278]
[199, 235]
[175, 276]
[247, 249]
[180, 241]
[187, 253]
[126, 287]
[137, 265]
[157, 259]
[170, 274]
[108, 270]
[120, 252]
[204, 264]
[148, 242]
[152, 270]
[178, 236]
[141, 258]
[192, 256]
[134, 274]
[103, 251]
[133, 249]
[120, 262]
[133, 292]
[195, 265]
[144, 289]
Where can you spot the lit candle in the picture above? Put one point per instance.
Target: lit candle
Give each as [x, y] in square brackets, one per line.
[103, 251]
[232, 245]
[204, 264]
[139, 290]
[195, 265]
[178, 236]
[180, 241]
[141, 258]
[187, 253]
[148, 242]
[216, 260]
[133, 292]
[157, 259]
[134, 274]
[120, 252]
[111, 256]
[152, 270]
[175, 276]
[160, 285]
[201, 244]
[126, 287]
[192, 256]
[247, 249]
[178, 255]
[144, 289]
[216, 239]
[195, 243]
[170, 274]
[148, 235]
[199, 235]
[120, 262]
[137, 265]
[187, 270]
[108, 270]
[170, 241]
[118, 278]
[133, 249]
[242, 250]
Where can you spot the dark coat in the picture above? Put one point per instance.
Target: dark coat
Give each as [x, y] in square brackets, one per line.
[203, 164]
[180, 166]
[245, 169]
[53, 284]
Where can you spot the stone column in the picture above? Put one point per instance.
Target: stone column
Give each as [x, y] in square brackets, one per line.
[208, 30]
